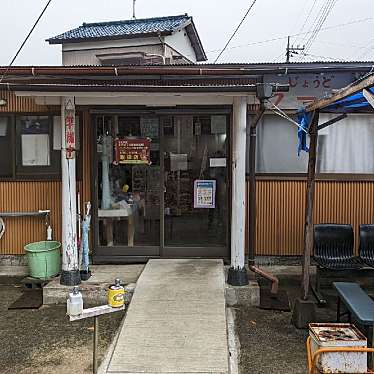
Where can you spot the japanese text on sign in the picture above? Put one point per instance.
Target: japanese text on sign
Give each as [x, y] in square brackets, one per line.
[70, 133]
[205, 194]
[304, 88]
[133, 151]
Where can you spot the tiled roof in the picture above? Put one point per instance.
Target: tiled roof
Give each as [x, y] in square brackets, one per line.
[117, 29]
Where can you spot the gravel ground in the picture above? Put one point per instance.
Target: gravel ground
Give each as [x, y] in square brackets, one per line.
[44, 341]
[269, 342]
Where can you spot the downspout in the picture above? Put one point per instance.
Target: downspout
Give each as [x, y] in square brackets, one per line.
[251, 205]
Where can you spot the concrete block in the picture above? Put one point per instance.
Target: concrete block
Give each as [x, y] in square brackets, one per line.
[249, 294]
[13, 260]
[304, 312]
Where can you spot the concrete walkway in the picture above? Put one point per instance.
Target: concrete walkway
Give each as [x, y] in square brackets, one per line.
[176, 322]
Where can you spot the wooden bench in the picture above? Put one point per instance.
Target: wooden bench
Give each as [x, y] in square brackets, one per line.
[357, 302]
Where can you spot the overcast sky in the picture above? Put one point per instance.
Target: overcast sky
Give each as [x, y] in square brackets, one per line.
[214, 19]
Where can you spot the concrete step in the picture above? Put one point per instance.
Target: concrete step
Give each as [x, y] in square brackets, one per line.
[94, 290]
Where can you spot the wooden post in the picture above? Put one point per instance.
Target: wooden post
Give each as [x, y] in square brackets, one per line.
[237, 275]
[251, 204]
[308, 231]
[70, 275]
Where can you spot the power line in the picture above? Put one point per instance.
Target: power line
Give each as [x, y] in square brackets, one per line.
[327, 42]
[325, 57]
[236, 30]
[303, 33]
[308, 16]
[325, 11]
[316, 19]
[369, 46]
[26, 39]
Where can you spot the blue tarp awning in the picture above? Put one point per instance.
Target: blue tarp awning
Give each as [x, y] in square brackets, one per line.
[350, 103]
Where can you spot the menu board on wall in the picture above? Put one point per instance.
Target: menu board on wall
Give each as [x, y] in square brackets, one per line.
[133, 151]
[205, 194]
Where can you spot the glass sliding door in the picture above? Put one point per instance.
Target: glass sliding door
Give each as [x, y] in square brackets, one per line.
[162, 187]
[195, 150]
[128, 185]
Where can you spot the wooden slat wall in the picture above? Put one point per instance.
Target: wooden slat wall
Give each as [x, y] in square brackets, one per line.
[17, 104]
[281, 207]
[28, 196]
[34, 195]
[25, 197]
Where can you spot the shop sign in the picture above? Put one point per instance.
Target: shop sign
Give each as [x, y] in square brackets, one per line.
[70, 133]
[306, 88]
[205, 194]
[133, 151]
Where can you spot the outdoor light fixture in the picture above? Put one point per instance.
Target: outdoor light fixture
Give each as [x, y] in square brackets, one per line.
[264, 91]
[3, 102]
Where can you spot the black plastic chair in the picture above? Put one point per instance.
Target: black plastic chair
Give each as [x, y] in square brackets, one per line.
[333, 250]
[367, 244]
[334, 247]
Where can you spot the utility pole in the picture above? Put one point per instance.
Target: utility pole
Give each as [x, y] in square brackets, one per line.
[133, 9]
[291, 50]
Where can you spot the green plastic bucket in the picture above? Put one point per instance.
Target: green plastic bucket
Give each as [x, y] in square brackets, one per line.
[44, 259]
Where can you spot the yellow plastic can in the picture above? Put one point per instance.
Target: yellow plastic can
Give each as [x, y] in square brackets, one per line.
[116, 295]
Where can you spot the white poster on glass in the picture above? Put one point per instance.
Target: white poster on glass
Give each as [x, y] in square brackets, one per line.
[205, 194]
[35, 150]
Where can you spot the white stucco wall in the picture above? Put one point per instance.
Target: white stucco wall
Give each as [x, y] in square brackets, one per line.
[86, 53]
[181, 43]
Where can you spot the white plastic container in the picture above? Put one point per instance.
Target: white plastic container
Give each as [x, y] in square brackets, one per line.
[333, 335]
[74, 304]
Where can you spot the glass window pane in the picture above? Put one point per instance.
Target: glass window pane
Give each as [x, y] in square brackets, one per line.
[196, 159]
[346, 146]
[277, 147]
[35, 155]
[129, 181]
[34, 140]
[6, 152]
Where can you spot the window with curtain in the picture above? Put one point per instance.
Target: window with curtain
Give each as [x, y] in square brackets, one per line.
[277, 147]
[346, 147]
[30, 147]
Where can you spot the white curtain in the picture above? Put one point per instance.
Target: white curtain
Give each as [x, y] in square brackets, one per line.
[346, 146]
